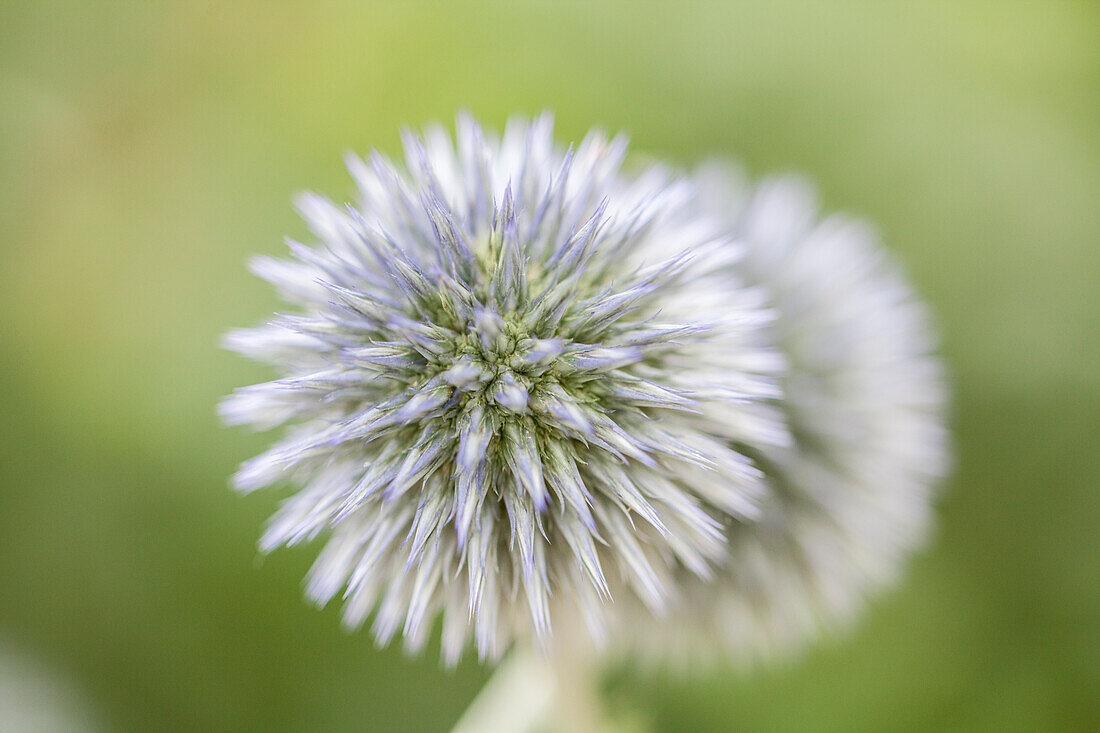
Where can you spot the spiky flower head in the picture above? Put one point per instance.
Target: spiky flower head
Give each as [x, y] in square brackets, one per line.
[850, 497]
[517, 379]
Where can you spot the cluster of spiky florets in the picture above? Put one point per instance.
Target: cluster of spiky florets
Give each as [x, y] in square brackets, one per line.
[850, 497]
[512, 368]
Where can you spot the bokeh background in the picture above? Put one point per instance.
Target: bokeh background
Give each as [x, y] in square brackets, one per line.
[147, 148]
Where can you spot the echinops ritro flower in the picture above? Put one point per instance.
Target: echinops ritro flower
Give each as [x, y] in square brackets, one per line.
[518, 380]
[864, 395]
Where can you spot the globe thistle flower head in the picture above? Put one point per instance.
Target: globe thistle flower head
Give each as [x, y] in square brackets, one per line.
[850, 497]
[514, 373]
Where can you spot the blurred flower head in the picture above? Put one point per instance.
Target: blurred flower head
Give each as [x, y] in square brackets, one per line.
[864, 396]
[517, 379]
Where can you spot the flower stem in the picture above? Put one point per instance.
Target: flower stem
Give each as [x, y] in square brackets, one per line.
[532, 692]
[516, 699]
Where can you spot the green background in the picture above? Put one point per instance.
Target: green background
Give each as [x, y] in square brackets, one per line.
[147, 148]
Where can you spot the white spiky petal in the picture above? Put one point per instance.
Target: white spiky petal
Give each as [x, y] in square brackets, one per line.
[518, 379]
[864, 397]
